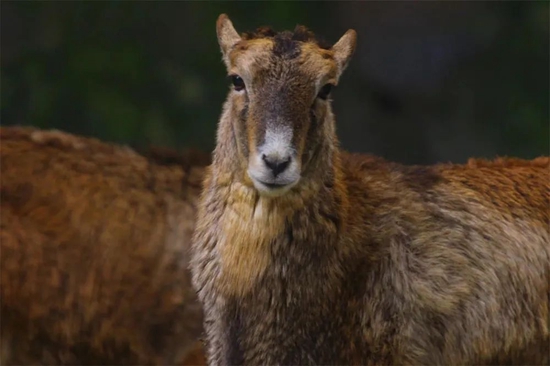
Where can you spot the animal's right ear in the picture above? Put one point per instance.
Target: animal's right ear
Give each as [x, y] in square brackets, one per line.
[227, 36]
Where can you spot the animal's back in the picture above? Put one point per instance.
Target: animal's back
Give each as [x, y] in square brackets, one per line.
[94, 252]
[461, 257]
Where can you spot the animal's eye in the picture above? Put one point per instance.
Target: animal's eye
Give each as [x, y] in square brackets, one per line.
[325, 91]
[238, 82]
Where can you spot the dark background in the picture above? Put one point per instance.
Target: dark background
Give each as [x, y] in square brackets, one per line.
[430, 81]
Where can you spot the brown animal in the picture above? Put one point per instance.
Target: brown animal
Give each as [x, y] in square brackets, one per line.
[305, 254]
[94, 252]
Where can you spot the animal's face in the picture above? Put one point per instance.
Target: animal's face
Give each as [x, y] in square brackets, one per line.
[280, 97]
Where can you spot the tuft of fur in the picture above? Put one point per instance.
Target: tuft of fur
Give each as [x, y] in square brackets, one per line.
[365, 261]
[300, 34]
[540, 162]
[94, 242]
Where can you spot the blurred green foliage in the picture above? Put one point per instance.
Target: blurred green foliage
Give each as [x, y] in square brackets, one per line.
[151, 72]
[521, 113]
[102, 69]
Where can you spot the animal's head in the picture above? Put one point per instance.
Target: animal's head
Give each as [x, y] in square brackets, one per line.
[280, 98]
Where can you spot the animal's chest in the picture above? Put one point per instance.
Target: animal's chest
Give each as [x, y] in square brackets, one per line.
[276, 295]
[284, 321]
[295, 314]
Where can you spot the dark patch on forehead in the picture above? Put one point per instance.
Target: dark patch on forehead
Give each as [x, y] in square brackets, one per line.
[285, 46]
[286, 43]
[261, 32]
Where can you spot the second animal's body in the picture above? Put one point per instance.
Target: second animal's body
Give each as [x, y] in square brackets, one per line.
[94, 241]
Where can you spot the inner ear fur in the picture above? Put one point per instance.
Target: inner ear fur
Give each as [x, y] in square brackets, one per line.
[344, 49]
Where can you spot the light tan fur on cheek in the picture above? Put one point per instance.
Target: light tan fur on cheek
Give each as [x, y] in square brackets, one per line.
[249, 225]
[323, 69]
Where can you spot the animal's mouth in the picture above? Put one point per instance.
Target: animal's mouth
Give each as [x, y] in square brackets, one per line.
[273, 185]
[273, 189]
[270, 186]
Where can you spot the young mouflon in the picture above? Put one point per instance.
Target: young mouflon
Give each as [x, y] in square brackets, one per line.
[306, 254]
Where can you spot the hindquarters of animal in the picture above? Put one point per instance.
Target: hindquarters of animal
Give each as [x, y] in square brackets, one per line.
[94, 252]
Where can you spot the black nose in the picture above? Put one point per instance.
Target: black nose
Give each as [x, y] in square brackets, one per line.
[276, 165]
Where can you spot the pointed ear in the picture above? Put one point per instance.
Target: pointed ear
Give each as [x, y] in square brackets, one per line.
[344, 49]
[227, 35]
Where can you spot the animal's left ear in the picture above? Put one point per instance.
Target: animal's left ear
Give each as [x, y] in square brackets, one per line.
[227, 36]
[344, 49]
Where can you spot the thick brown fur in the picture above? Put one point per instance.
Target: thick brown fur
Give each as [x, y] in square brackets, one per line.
[94, 252]
[362, 261]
